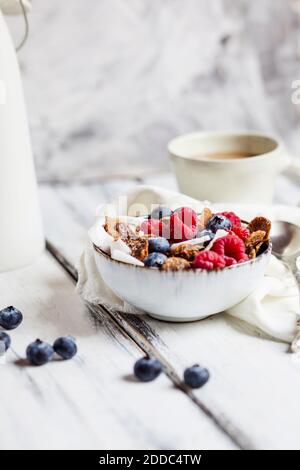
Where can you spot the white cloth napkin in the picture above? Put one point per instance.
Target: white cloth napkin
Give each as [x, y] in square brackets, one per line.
[273, 307]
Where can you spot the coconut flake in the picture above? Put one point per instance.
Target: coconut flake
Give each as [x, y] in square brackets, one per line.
[99, 236]
[193, 241]
[117, 249]
[119, 245]
[125, 258]
[219, 234]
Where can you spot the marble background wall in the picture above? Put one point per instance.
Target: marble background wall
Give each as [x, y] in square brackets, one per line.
[109, 82]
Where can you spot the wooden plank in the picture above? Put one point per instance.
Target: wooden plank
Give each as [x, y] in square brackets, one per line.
[92, 401]
[51, 199]
[253, 392]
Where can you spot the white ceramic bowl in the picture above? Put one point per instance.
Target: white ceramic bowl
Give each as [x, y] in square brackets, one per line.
[182, 295]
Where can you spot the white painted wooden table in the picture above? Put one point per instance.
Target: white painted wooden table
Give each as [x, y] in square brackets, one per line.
[93, 402]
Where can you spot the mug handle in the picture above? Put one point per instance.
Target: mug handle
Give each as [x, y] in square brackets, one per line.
[294, 166]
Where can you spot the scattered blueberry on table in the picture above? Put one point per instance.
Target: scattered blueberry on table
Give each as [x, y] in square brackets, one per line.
[155, 260]
[5, 338]
[10, 318]
[196, 376]
[147, 369]
[158, 245]
[39, 352]
[65, 347]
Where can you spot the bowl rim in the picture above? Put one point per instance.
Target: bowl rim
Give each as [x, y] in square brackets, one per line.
[267, 252]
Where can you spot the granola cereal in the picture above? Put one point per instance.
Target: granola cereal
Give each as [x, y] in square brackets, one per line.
[118, 229]
[260, 224]
[252, 253]
[187, 251]
[139, 247]
[173, 242]
[204, 218]
[254, 242]
[175, 264]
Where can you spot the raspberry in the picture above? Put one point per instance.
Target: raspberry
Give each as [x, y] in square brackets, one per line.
[241, 232]
[234, 219]
[152, 227]
[229, 261]
[187, 215]
[174, 229]
[244, 258]
[209, 260]
[230, 246]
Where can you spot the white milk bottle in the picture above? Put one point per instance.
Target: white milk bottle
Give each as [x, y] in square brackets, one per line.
[21, 235]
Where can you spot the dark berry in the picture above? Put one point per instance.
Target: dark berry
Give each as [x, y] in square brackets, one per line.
[234, 219]
[158, 244]
[218, 222]
[65, 347]
[147, 369]
[10, 318]
[5, 339]
[196, 376]
[155, 260]
[39, 352]
[160, 212]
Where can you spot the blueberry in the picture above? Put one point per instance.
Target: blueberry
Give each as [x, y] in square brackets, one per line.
[196, 376]
[218, 222]
[65, 347]
[158, 244]
[160, 212]
[10, 318]
[155, 260]
[147, 369]
[5, 339]
[39, 352]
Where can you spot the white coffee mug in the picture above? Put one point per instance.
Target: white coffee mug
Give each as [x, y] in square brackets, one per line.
[228, 167]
